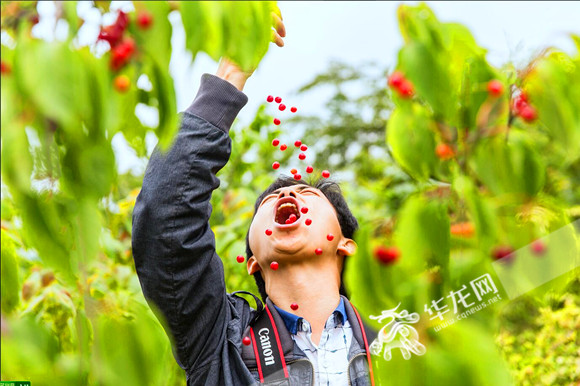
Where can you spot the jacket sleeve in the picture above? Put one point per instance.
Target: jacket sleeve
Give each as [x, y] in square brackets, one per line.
[180, 273]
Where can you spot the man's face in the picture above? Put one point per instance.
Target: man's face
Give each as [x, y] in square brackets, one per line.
[295, 241]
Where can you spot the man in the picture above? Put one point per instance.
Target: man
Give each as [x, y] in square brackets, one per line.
[307, 333]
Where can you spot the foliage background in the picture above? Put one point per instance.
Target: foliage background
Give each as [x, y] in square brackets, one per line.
[72, 307]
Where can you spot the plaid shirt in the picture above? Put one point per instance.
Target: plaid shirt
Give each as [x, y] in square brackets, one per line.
[330, 357]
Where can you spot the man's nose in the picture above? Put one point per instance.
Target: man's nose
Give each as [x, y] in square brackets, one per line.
[287, 192]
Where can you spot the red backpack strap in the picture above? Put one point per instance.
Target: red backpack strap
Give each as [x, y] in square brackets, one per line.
[366, 345]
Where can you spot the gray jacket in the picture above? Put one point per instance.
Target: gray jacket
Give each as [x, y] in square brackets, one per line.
[182, 276]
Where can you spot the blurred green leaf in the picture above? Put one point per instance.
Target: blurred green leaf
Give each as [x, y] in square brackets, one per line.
[10, 277]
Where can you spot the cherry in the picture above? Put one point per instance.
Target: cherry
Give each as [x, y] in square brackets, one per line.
[270, 98]
[318, 251]
[268, 232]
[538, 247]
[406, 89]
[444, 151]
[294, 306]
[298, 143]
[308, 221]
[240, 259]
[502, 252]
[495, 88]
[144, 19]
[293, 109]
[276, 165]
[304, 210]
[301, 156]
[275, 142]
[462, 229]
[387, 255]
[122, 83]
[5, 68]
[325, 173]
[246, 341]
[292, 218]
[283, 147]
[278, 99]
[303, 147]
[121, 53]
[274, 265]
[330, 237]
[276, 121]
[309, 169]
[282, 107]
[297, 176]
[396, 79]
[114, 33]
[293, 171]
[528, 113]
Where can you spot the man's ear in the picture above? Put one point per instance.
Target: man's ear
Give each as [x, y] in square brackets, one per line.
[346, 247]
[253, 265]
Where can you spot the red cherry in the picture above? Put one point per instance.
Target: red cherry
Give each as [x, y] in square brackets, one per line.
[122, 83]
[495, 88]
[387, 255]
[297, 176]
[278, 99]
[309, 169]
[503, 252]
[406, 89]
[538, 247]
[444, 151]
[304, 210]
[303, 147]
[294, 306]
[276, 121]
[325, 173]
[275, 142]
[274, 265]
[270, 98]
[5, 68]
[318, 251]
[268, 232]
[298, 143]
[114, 33]
[301, 156]
[293, 109]
[293, 171]
[308, 221]
[246, 341]
[292, 218]
[396, 79]
[144, 19]
[282, 107]
[121, 53]
[330, 237]
[283, 147]
[276, 165]
[528, 113]
[240, 259]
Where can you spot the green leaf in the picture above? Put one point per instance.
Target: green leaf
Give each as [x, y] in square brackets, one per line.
[10, 277]
[411, 137]
[154, 41]
[166, 104]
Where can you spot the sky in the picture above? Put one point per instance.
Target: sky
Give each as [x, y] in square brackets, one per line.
[353, 32]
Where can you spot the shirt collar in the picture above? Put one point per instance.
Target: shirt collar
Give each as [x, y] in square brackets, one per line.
[292, 321]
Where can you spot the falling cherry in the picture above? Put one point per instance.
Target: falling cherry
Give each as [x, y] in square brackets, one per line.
[268, 232]
[302, 156]
[292, 217]
[276, 165]
[276, 121]
[293, 109]
[304, 210]
[270, 98]
[318, 251]
[275, 142]
[325, 173]
[308, 221]
[283, 147]
[240, 259]
[274, 265]
[303, 147]
[330, 237]
[298, 143]
[294, 306]
[297, 176]
[309, 169]
[278, 99]
[246, 341]
[293, 171]
[282, 107]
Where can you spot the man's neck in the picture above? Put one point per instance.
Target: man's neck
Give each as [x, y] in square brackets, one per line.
[316, 294]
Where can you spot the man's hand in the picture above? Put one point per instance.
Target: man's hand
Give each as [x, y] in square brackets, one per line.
[231, 72]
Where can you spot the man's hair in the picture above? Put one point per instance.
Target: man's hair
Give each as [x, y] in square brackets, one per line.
[348, 223]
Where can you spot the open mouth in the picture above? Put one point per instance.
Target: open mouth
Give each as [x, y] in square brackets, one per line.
[287, 211]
